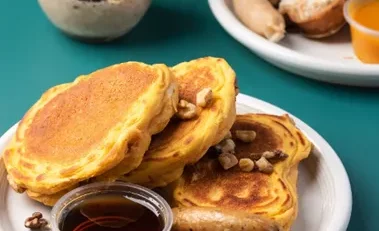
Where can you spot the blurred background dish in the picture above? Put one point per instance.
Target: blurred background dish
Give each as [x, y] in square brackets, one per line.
[95, 20]
[330, 59]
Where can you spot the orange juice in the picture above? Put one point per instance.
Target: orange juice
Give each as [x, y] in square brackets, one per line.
[363, 17]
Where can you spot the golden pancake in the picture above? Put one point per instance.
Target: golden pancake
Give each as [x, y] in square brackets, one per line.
[82, 129]
[48, 200]
[207, 184]
[158, 123]
[129, 162]
[133, 159]
[184, 142]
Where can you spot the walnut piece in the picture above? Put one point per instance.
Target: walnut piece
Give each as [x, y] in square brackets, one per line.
[268, 155]
[32, 223]
[204, 97]
[246, 164]
[274, 156]
[37, 215]
[182, 103]
[264, 166]
[186, 110]
[15, 186]
[35, 221]
[43, 222]
[246, 136]
[226, 146]
[227, 160]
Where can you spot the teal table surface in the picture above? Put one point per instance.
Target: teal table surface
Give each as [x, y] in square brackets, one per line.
[36, 56]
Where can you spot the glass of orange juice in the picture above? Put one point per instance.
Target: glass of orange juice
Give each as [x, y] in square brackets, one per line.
[363, 17]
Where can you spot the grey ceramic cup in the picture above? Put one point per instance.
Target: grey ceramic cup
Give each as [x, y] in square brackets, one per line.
[95, 20]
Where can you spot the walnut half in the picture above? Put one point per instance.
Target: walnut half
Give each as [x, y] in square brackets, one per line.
[246, 136]
[204, 97]
[35, 221]
[275, 156]
[226, 146]
[186, 110]
[264, 166]
[227, 160]
[246, 164]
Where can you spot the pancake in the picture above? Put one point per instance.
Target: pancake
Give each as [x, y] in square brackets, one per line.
[48, 200]
[207, 184]
[82, 129]
[184, 142]
[157, 124]
[129, 162]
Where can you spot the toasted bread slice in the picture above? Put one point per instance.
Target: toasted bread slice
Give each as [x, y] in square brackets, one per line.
[208, 184]
[316, 18]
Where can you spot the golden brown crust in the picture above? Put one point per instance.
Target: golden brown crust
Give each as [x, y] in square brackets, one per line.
[207, 184]
[66, 119]
[48, 200]
[141, 144]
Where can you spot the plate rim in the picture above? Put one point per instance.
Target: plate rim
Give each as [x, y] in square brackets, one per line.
[288, 59]
[343, 205]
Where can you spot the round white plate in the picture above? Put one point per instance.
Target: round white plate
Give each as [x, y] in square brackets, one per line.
[331, 60]
[324, 189]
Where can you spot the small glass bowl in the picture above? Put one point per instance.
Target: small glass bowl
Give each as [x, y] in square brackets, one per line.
[365, 41]
[139, 194]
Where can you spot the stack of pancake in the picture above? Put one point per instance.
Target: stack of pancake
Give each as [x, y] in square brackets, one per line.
[100, 126]
[185, 142]
[122, 123]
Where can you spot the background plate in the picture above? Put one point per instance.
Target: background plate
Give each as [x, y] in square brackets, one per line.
[324, 188]
[331, 59]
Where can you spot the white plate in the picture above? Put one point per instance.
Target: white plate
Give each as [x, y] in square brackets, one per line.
[324, 188]
[331, 60]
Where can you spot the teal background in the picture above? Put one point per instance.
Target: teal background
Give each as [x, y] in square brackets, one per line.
[36, 56]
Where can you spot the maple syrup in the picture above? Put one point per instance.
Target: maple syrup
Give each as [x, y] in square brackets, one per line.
[111, 212]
